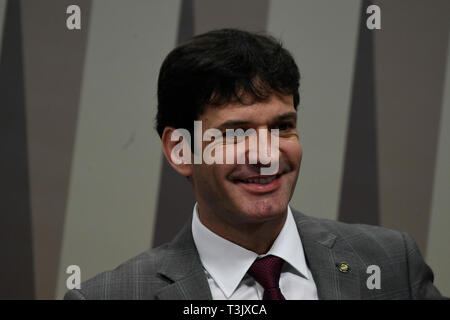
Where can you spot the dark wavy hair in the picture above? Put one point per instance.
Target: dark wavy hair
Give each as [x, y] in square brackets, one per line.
[219, 67]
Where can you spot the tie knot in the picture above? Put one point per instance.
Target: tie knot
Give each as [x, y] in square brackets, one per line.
[267, 271]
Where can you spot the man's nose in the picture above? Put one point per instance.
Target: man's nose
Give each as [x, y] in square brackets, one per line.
[261, 151]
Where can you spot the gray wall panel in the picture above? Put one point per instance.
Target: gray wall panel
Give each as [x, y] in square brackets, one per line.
[117, 158]
[54, 60]
[438, 252]
[249, 15]
[410, 55]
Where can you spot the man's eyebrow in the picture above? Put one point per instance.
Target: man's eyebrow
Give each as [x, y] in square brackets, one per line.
[287, 116]
[241, 123]
[233, 124]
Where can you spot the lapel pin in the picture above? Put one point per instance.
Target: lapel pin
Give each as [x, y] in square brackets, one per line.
[343, 267]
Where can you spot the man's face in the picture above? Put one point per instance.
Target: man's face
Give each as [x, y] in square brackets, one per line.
[235, 192]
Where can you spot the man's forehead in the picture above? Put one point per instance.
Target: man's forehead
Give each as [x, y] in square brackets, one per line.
[262, 111]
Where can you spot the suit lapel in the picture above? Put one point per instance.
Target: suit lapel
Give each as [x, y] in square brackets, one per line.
[192, 287]
[324, 252]
[183, 267]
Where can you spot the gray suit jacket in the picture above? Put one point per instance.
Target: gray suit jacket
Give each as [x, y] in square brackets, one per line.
[174, 271]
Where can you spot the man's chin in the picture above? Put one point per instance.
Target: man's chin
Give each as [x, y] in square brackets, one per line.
[263, 210]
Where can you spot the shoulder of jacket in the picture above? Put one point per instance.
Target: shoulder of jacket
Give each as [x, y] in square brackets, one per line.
[116, 283]
[359, 235]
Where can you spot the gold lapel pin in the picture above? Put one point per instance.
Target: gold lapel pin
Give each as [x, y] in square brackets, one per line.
[343, 267]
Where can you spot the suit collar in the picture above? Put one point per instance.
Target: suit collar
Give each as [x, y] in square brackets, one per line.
[324, 251]
[311, 229]
[182, 266]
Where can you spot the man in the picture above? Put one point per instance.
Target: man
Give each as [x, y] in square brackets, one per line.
[244, 241]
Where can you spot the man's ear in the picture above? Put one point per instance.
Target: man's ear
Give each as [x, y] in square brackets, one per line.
[176, 144]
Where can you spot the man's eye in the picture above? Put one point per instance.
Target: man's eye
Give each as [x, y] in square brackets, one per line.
[233, 134]
[284, 126]
[227, 138]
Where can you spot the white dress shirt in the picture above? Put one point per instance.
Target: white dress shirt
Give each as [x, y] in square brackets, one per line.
[226, 264]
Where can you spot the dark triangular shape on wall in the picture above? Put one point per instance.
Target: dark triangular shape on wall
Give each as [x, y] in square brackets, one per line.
[16, 251]
[359, 202]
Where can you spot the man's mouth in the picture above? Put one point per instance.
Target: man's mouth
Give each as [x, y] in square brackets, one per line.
[259, 185]
[260, 179]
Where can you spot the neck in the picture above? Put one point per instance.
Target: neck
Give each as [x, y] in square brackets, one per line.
[256, 236]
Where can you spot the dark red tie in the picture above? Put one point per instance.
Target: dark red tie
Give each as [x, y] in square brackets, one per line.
[267, 272]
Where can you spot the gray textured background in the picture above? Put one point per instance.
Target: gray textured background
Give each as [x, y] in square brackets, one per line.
[83, 178]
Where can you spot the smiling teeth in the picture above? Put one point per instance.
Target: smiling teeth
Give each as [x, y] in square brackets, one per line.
[261, 180]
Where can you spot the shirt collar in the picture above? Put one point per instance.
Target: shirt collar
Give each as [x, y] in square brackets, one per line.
[227, 263]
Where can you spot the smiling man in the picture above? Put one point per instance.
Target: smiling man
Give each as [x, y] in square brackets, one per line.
[244, 241]
[236, 201]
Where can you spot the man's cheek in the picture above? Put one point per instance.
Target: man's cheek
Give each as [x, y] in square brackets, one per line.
[295, 150]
